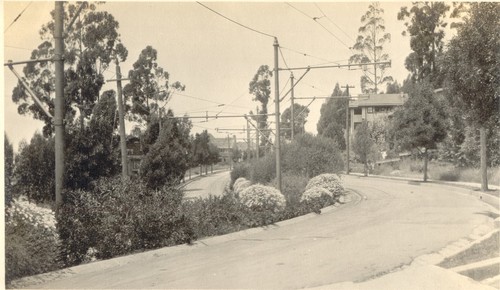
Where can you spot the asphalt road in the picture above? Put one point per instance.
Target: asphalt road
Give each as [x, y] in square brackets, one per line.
[394, 224]
[205, 185]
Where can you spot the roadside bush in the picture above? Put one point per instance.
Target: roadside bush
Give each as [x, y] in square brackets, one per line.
[240, 184]
[330, 182]
[239, 170]
[216, 215]
[264, 169]
[316, 198]
[449, 176]
[31, 240]
[117, 218]
[310, 155]
[292, 187]
[264, 202]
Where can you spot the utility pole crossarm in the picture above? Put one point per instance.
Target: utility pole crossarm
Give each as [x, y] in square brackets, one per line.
[293, 85]
[338, 65]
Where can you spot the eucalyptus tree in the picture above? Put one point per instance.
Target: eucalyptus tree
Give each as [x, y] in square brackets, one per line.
[89, 48]
[332, 120]
[473, 72]
[149, 88]
[300, 118]
[425, 23]
[370, 48]
[260, 87]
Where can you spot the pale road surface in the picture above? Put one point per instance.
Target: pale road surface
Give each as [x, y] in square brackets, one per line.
[396, 223]
[203, 186]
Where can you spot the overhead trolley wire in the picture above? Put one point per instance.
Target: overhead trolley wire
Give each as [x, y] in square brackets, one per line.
[324, 15]
[315, 19]
[18, 16]
[235, 22]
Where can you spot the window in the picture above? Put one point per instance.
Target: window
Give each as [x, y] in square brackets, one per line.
[369, 110]
[357, 111]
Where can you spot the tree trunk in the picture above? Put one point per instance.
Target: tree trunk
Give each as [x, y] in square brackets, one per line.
[206, 169]
[201, 170]
[366, 166]
[484, 168]
[426, 161]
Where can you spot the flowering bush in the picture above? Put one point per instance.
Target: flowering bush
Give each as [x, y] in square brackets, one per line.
[315, 193]
[240, 184]
[328, 181]
[316, 198]
[263, 198]
[31, 239]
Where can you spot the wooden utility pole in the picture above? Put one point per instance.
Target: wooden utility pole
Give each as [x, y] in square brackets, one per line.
[347, 127]
[229, 155]
[59, 102]
[292, 122]
[277, 117]
[121, 116]
[248, 142]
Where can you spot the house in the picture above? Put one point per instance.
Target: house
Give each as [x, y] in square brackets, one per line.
[134, 154]
[370, 107]
[226, 145]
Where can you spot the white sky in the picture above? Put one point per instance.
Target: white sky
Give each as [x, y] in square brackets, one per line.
[213, 57]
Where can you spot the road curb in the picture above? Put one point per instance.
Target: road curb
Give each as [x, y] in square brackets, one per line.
[474, 190]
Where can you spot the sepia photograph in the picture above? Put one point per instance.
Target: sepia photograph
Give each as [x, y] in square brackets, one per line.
[251, 145]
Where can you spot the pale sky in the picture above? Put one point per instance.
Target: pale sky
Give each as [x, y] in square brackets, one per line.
[214, 58]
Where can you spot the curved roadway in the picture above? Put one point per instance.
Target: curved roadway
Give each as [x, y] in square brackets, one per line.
[394, 224]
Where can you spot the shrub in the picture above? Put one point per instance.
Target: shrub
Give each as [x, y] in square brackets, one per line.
[316, 198]
[262, 198]
[31, 240]
[240, 170]
[311, 155]
[292, 187]
[264, 169]
[449, 175]
[117, 218]
[330, 182]
[216, 215]
[240, 184]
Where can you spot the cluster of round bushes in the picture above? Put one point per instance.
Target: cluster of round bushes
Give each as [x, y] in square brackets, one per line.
[322, 190]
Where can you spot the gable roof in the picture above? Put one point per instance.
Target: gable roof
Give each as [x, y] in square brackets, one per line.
[372, 100]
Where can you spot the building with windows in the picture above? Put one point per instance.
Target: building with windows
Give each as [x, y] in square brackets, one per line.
[371, 107]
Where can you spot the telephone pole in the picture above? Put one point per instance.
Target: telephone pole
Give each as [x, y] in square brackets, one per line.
[59, 102]
[121, 114]
[347, 127]
[277, 117]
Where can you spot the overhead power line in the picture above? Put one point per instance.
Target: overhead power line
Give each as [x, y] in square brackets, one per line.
[235, 22]
[324, 15]
[315, 19]
[18, 16]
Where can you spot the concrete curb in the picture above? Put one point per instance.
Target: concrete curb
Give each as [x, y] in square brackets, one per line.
[474, 188]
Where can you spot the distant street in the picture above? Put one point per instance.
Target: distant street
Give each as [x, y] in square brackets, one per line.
[394, 224]
[203, 186]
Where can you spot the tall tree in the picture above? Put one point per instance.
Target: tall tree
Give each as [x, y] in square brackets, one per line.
[300, 118]
[421, 122]
[168, 157]
[89, 49]
[473, 72]
[370, 48]
[332, 120]
[363, 145]
[393, 88]
[149, 88]
[425, 23]
[260, 87]
[34, 170]
[92, 150]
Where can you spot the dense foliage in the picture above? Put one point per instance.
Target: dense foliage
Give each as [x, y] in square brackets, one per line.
[31, 240]
[116, 218]
[332, 121]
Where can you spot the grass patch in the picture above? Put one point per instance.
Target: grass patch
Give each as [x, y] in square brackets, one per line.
[487, 249]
